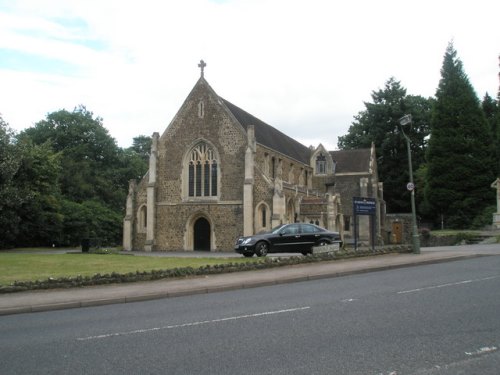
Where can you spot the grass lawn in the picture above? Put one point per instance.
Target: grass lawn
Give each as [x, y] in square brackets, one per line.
[25, 267]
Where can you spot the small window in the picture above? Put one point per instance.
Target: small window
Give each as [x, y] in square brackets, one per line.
[266, 164]
[262, 217]
[201, 109]
[291, 174]
[142, 221]
[321, 164]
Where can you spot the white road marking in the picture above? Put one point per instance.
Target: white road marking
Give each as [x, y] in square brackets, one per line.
[191, 324]
[349, 300]
[449, 366]
[483, 350]
[447, 285]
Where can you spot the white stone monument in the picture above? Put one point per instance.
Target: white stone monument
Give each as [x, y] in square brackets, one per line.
[496, 216]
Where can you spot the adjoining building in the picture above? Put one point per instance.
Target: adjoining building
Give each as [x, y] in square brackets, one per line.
[217, 173]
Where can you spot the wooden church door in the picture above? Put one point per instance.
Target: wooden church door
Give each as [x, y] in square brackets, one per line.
[397, 232]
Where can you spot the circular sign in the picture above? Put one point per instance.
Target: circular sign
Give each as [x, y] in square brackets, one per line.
[410, 186]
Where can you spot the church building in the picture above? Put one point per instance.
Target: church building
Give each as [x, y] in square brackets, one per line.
[217, 173]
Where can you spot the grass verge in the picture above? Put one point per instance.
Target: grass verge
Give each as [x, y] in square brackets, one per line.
[31, 267]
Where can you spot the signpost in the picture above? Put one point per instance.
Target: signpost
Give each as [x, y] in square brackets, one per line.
[364, 206]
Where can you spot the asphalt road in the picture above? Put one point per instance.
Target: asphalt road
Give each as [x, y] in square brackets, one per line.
[435, 319]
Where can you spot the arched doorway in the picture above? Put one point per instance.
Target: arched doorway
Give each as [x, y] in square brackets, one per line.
[201, 233]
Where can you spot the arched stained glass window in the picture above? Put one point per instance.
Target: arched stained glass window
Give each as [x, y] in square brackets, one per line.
[202, 171]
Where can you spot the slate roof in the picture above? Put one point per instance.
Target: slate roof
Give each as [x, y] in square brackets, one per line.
[351, 161]
[270, 137]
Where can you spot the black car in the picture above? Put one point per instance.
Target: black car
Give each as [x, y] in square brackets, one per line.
[286, 238]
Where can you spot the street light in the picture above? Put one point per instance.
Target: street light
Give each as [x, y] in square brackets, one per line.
[403, 121]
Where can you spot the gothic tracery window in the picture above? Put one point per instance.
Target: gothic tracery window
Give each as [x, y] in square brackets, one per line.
[202, 171]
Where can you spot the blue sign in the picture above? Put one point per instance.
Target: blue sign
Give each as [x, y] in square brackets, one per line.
[364, 206]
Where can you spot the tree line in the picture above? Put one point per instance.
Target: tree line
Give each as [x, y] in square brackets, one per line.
[455, 148]
[65, 178]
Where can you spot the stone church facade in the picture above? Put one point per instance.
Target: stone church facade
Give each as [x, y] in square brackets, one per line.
[217, 173]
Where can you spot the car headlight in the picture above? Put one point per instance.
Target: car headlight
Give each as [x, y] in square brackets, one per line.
[246, 241]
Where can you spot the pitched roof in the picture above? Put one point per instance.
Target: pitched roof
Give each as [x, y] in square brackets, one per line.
[270, 137]
[351, 161]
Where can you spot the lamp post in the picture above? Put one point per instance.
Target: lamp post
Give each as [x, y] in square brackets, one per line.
[403, 121]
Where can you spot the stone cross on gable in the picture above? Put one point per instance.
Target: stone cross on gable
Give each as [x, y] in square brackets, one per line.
[202, 66]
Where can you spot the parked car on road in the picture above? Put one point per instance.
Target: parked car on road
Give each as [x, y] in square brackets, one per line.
[286, 238]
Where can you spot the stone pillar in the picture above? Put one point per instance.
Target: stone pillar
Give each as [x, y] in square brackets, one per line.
[151, 195]
[496, 216]
[248, 214]
[279, 203]
[331, 212]
[128, 221]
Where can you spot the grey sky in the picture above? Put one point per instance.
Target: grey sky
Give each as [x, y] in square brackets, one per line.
[304, 67]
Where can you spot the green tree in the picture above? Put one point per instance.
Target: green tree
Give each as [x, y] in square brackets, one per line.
[459, 155]
[491, 108]
[90, 220]
[134, 161]
[29, 193]
[37, 182]
[379, 123]
[65, 179]
[89, 155]
[141, 145]
[9, 197]
[92, 180]
[89, 159]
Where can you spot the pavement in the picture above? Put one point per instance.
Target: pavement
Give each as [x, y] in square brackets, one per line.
[57, 299]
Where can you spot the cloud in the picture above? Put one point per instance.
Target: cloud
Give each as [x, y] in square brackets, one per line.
[304, 67]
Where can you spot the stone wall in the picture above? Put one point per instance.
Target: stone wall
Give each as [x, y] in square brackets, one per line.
[175, 223]
[176, 211]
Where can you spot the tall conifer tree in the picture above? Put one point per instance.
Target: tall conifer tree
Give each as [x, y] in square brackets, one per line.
[459, 155]
[379, 123]
[491, 108]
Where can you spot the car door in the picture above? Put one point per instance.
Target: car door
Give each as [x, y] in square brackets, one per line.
[288, 239]
[309, 236]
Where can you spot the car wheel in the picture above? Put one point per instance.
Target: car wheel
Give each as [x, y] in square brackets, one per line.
[248, 255]
[323, 243]
[306, 252]
[261, 249]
